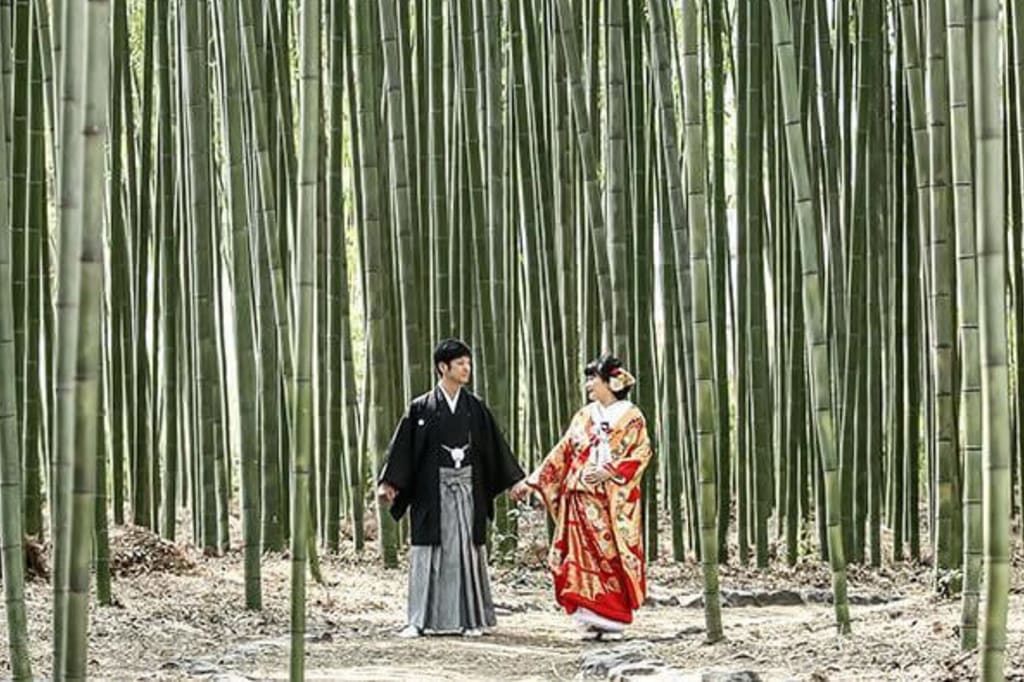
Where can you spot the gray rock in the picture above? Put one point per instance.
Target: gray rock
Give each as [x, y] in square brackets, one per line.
[747, 598]
[818, 596]
[659, 596]
[189, 665]
[873, 599]
[505, 608]
[694, 601]
[644, 668]
[825, 597]
[731, 676]
[689, 631]
[258, 646]
[738, 598]
[780, 598]
[601, 662]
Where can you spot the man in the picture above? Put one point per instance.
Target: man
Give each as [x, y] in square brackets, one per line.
[446, 463]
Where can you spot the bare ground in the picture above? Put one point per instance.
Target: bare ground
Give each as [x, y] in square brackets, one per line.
[190, 624]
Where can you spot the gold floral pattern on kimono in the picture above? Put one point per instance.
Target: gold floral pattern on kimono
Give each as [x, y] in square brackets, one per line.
[597, 557]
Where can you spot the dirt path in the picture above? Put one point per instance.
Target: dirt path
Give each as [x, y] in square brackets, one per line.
[193, 626]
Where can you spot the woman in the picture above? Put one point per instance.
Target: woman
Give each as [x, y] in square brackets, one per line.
[590, 483]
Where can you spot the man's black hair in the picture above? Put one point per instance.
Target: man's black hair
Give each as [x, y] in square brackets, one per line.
[603, 367]
[448, 351]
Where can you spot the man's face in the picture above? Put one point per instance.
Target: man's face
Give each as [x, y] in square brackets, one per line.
[459, 370]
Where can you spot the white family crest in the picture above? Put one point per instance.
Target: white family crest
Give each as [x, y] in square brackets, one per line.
[458, 454]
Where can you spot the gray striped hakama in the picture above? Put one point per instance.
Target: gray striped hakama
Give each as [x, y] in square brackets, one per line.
[449, 589]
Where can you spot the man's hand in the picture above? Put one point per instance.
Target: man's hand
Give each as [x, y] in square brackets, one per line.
[386, 491]
[519, 492]
[595, 475]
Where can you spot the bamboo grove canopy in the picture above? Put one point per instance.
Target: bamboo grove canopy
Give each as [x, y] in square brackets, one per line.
[230, 233]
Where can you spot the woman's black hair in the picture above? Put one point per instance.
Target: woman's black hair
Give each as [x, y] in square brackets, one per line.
[603, 367]
[448, 351]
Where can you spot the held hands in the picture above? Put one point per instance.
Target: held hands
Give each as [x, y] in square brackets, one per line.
[591, 476]
[386, 491]
[520, 491]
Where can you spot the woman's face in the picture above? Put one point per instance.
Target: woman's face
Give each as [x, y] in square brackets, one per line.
[598, 389]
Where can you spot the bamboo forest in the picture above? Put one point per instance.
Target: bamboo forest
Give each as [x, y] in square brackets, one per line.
[233, 233]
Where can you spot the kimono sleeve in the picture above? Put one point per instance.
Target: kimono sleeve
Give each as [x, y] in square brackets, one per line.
[636, 456]
[400, 468]
[503, 470]
[549, 477]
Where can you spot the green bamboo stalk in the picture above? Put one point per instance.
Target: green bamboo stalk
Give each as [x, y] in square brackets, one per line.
[355, 428]
[57, 59]
[273, 312]
[104, 595]
[988, 140]
[901, 363]
[941, 268]
[374, 265]
[6, 64]
[337, 322]
[551, 159]
[914, 76]
[759, 448]
[129, 259]
[1015, 89]
[859, 339]
[270, 406]
[267, 204]
[699, 250]
[90, 336]
[33, 433]
[644, 150]
[883, 350]
[719, 290]
[582, 118]
[121, 282]
[171, 278]
[437, 58]
[222, 417]
[146, 508]
[474, 149]
[68, 288]
[399, 176]
[309, 117]
[125, 282]
[321, 392]
[12, 529]
[817, 339]
[832, 167]
[797, 414]
[742, 308]
[412, 76]
[203, 294]
[967, 305]
[20, 163]
[616, 173]
[531, 195]
[193, 498]
[1013, 213]
[675, 488]
[279, 79]
[498, 379]
[244, 304]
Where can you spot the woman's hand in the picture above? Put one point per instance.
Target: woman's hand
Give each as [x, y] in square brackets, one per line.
[595, 475]
[520, 491]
